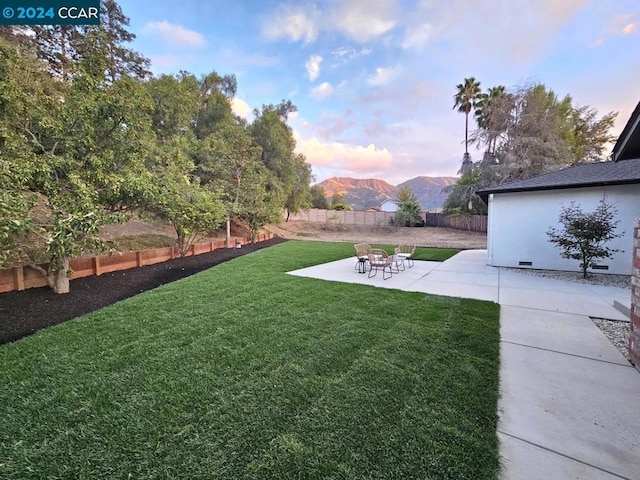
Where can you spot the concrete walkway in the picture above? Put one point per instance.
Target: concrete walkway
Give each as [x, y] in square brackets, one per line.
[569, 401]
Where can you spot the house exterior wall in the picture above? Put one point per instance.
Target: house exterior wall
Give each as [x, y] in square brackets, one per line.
[389, 206]
[518, 223]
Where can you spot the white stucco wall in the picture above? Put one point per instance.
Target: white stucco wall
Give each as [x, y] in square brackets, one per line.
[389, 206]
[518, 223]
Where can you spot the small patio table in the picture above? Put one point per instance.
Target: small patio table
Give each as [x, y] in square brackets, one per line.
[362, 264]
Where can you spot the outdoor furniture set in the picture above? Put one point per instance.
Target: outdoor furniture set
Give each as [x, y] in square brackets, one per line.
[378, 259]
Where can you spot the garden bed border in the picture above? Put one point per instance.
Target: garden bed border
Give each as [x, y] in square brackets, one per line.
[23, 277]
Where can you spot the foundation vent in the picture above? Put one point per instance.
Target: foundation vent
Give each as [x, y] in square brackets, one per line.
[600, 267]
[525, 264]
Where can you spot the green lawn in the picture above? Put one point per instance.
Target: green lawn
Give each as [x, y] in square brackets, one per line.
[422, 253]
[244, 372]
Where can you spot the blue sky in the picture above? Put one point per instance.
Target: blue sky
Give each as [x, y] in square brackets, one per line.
[374, 80]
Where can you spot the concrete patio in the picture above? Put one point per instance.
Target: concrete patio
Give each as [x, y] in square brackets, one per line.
[568, 399]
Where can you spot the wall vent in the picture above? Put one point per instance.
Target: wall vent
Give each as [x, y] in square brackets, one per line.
[525, 264]
[600, 267]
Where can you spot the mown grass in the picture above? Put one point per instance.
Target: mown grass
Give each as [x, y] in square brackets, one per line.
[424, 253]
[244, 372]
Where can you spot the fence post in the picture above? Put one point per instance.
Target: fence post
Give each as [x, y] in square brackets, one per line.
[18, 278]
[96, 265]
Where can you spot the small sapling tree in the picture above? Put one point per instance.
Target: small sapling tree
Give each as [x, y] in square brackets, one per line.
[583, 235]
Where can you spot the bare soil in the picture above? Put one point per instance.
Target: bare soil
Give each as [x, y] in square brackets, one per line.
[422, 236]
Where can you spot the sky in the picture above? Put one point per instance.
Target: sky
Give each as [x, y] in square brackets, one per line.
[374, 80]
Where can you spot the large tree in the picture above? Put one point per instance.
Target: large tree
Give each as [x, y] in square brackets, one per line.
[80, 142]
[465, 100]
[178, 188]
[214, 103]
[57, 46]
[490, 117]
[121, 60]
[230, 163]
[299, 193]
[175, 104]
[544, 132]
[291, 173]
[64, 46]
[318, 197]
[17, 162]
[528, 131]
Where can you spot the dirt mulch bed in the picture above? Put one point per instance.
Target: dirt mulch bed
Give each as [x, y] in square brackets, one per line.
[434, 237]
[23, 313]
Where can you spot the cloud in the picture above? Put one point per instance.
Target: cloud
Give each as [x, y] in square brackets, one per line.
[364, 20]
[174, 34]
[241, 108]
[360, 20]
[418, 36]
[323, 90]
[456, 22]
[291, 22]
[366, 160]
[620, 25]
[382, 77]
[331, 126]
[342, 55]
[313, 66]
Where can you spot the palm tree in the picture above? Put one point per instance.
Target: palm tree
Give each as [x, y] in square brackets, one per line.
[488, 115]
[465, 100]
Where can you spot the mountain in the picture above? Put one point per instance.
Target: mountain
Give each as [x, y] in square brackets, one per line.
[362, 194]
[428, 190]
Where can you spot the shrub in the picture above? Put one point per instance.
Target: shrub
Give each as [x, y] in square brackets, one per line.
[583, 235]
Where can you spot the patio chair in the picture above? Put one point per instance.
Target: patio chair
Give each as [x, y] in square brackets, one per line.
[362, 250]
[379, 259]
[405, 252]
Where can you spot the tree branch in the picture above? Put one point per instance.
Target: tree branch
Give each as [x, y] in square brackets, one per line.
[37, 268]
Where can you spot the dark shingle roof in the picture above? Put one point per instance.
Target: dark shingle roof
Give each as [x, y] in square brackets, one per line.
[581, 175]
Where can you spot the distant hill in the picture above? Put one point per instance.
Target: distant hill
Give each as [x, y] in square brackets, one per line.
[428, 190]
[362, 194]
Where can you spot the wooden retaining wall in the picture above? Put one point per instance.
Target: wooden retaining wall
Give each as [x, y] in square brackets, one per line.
[23, 277]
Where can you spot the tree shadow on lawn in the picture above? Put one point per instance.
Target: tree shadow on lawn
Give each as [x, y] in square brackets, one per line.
[25, 312]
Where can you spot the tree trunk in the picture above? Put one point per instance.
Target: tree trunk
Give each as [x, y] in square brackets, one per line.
[58, 280]
[466, 132]
[228, 232]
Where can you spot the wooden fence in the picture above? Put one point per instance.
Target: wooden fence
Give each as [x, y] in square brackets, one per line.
[474, 223]
[23, 277]
[346, 217]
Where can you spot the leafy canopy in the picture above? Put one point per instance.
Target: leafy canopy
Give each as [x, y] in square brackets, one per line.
[525, 131]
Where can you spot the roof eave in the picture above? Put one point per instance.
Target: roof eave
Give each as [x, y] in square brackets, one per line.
[627, 133]
[484, 194]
